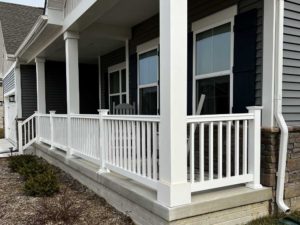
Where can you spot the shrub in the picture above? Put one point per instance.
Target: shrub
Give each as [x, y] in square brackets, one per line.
[17, 162]
[40, 178]
[60, 210]
[43, 184]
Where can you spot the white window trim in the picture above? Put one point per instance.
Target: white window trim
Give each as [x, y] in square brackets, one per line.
[141, 49]
[217, 19]
[117, 68]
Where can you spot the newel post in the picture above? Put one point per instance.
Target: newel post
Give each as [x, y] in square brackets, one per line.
[103, 146]
[37, 126]
[52, 129]
[254, 151]
[20, 141]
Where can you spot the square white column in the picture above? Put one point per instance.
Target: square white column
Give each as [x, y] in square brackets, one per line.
[40, 85]
[72, 71]
[173, 190]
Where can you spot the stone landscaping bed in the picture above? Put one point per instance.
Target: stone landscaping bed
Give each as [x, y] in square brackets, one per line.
[73, 204]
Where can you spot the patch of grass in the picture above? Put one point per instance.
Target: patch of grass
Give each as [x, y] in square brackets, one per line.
[40, 178]
[274, 219]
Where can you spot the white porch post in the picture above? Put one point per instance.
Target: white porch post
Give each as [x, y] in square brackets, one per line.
[72, 78]
[40, 85]
[72, 71]
[173, 190]
[254, 148]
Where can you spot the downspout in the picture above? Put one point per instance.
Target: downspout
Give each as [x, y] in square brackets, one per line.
[278, 110]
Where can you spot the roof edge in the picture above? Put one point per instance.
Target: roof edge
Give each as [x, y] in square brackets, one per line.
[38, 27]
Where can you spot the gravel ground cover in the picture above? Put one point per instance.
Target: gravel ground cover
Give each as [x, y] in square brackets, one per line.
[73, 205]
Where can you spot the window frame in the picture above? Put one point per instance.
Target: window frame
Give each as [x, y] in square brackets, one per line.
[112, 69]
[210, 22]
[142, 49]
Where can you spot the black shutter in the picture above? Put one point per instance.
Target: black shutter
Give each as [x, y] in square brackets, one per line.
[133, 79]
[190, 75]
[244, 70]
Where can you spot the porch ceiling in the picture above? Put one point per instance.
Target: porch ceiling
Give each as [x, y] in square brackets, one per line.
[106, 31]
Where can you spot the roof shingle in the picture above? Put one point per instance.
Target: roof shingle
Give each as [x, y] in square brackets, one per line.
[17, 21]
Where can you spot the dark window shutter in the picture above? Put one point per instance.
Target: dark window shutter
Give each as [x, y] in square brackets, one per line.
[190, 75]
[244, 70]
[133, 78]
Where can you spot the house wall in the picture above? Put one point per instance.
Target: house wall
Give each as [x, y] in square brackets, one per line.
[56, 95]
[149, 29]
[28, 88]
[291, 63]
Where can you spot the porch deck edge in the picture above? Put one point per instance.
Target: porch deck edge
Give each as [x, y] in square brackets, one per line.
[134, 193]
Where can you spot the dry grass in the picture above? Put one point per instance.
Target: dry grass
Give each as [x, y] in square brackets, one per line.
[74, 204]
[273, 220]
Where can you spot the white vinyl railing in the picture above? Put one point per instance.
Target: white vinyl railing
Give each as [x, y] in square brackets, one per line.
[27, 132]
[85, 137]
[222, 149]
[44, 128]
[59, 131]
[131, 147]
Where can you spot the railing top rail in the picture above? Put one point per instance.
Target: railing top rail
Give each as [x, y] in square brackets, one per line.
[59, 116]
[85, 116]
[221, 117]
[141, 118]
[43, 115]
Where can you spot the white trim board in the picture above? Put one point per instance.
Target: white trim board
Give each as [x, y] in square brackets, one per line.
[212, 20]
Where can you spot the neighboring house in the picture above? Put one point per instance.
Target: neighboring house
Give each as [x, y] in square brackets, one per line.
[15, 23]
[168, 164]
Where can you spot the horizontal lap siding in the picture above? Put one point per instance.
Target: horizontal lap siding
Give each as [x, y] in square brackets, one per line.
[244, 6]
[9, 82]
[28, 88]
[108, 60]
[56, 95]
[291, 63]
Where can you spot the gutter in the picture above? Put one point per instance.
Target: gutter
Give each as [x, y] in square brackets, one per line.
[278, 109]
[38, 27]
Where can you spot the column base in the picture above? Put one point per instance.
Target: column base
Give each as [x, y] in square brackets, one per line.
[175, 194]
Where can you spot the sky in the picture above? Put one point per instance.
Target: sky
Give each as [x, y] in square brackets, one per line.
[36, 3]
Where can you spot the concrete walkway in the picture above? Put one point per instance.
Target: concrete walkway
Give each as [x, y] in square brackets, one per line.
[4, 147]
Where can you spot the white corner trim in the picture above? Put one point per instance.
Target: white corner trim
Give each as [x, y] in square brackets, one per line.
[117, 67]
[214, 19]
[147, 46]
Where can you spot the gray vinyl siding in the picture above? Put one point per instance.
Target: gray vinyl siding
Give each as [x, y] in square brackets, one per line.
[9, 82]
[244, 6]
[291, 63]
[56, 94]
[28, 87]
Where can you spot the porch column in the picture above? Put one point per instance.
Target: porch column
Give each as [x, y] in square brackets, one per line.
[72, 71]
[40, 85]
[173, 190]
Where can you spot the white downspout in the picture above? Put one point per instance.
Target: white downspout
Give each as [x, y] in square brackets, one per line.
[278, 110]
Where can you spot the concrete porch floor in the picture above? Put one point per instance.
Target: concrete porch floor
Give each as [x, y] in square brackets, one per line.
[234, 205]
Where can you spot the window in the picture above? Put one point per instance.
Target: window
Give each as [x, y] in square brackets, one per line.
[213, 50]
[148, 76]
[117, 85]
